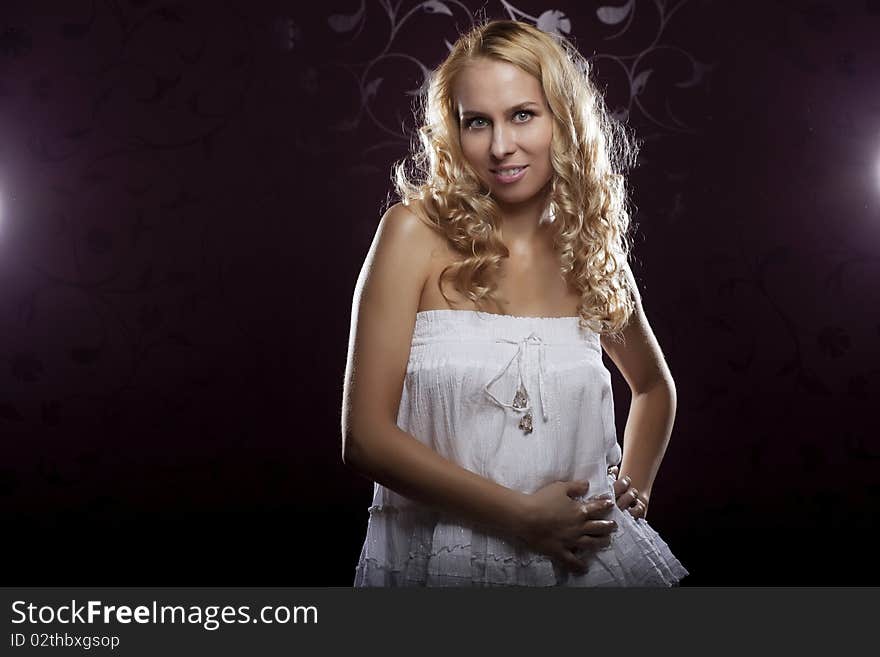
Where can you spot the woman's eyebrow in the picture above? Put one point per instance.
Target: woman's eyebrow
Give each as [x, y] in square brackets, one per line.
[514, 108]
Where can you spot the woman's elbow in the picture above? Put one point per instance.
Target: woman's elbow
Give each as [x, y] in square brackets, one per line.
[355, 448]
[350, 450]
[661, 385]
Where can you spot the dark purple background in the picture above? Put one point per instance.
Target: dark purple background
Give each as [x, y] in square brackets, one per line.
[187, 192]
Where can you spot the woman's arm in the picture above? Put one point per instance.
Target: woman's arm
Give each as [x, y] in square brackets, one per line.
[383, 315]
[652, 410]
[648, 428]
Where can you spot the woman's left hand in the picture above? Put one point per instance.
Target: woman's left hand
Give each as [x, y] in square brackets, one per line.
[627, 497]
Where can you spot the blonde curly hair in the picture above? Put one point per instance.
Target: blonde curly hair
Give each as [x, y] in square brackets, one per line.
[589, 151]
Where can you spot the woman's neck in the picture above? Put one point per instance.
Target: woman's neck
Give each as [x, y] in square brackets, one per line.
[521, 223]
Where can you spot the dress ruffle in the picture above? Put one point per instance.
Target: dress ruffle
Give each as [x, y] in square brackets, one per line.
[416, 547]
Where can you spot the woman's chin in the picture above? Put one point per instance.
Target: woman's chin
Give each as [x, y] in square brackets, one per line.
[504, 197]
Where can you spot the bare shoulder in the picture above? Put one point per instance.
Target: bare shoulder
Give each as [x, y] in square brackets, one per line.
[406, 235]
[409, 222]
[398, 262]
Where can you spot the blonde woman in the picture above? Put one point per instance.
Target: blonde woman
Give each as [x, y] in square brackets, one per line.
[475, 395]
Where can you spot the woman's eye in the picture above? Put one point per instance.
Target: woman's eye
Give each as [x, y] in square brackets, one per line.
[470, 122]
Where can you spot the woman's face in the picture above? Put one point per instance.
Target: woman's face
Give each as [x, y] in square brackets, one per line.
[504, 122]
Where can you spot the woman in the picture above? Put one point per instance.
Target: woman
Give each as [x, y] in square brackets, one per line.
[475, 394]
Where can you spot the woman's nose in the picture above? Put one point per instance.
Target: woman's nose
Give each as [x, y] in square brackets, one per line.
[503, 143]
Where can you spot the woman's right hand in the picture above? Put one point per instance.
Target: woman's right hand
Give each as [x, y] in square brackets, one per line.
[559, 526]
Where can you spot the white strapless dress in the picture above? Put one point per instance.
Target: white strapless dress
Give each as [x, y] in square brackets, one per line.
[523, 401]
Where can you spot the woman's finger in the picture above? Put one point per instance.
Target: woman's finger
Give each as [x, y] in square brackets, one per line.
[638, 510]
[596, 509]
[627, 499]
[599, 527]
[621, 486]
[633, 495]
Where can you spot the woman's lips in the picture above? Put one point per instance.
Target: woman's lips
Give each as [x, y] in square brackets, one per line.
[504, 180]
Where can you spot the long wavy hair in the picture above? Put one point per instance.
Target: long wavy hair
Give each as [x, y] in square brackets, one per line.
[590, 151]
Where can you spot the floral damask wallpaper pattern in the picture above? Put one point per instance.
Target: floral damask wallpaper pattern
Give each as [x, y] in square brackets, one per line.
[614, 21]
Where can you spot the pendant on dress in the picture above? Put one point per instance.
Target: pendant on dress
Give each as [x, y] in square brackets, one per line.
[520, 401]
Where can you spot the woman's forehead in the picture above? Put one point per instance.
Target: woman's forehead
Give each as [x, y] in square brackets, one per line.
[485, 82]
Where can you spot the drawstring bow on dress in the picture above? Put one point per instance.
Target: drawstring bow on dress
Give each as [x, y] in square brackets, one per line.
[522, 400]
